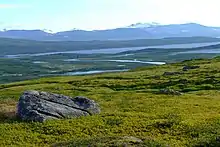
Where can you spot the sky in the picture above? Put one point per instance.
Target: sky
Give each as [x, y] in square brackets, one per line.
[61, 15]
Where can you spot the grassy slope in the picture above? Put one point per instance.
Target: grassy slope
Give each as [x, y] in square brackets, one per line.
[130, 107]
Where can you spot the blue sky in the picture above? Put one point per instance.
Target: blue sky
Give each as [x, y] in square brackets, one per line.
[60, 15]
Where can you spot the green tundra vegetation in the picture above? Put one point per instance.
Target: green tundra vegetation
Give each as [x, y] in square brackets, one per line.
[132, 106]
[32, 67]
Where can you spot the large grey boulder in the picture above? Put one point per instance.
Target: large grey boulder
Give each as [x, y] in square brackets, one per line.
[41, 106]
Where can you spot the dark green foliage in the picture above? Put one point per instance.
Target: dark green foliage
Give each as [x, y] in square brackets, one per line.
[110, 141]
[114, 121]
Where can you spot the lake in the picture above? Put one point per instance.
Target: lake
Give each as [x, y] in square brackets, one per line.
[93, 72]
[114, 50]
[201, 51]
[119, 61]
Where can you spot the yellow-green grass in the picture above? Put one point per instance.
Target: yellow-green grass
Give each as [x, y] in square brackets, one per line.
[131, 106]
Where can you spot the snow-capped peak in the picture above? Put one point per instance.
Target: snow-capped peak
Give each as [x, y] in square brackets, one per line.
[144, 25]
[4, 29]
[48, 31]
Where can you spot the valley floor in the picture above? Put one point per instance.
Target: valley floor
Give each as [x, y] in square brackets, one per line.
[131, 105]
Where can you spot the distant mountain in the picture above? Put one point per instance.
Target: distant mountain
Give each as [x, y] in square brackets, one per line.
[26, 34]
[131, 32]
[21, 46]
[184, 30]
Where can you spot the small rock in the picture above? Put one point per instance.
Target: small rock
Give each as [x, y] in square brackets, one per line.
[186, 68]
[132, 139]
[156, 77]
[41, 106]
[170, 92]
[183, 81]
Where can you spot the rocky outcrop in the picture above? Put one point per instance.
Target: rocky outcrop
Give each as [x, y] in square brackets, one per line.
[186, 68]
[41, 106]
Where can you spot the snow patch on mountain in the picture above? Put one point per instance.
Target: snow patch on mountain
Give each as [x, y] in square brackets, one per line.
[144, 25]
[48, 31]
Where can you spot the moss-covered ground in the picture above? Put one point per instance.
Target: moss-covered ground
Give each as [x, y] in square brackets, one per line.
[131, 106]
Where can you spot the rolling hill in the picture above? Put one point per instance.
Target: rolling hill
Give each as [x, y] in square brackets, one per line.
[134, 112]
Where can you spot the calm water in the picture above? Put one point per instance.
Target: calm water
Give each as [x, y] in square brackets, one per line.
[93, 72]
[39, 62]
[114, 50]
[136, 61]
[202, 51]
[119, 61]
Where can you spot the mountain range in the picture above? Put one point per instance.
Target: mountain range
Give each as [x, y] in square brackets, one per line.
[131, 32]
